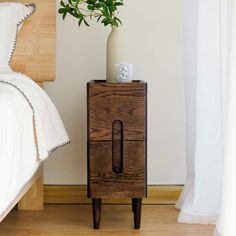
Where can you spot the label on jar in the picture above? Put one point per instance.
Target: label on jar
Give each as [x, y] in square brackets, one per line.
[124, 73]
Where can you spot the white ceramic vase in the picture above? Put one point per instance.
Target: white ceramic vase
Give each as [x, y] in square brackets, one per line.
[115, 53]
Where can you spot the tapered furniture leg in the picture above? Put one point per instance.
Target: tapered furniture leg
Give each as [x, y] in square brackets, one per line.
[137, 208]
[97, 203]
[133, 204]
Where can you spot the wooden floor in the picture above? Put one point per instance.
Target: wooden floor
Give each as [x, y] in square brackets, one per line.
[58, 220]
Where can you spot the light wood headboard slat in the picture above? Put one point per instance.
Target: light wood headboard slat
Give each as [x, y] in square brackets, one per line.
[35, 53]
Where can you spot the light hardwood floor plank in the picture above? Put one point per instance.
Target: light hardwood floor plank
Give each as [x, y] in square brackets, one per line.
[117, 220]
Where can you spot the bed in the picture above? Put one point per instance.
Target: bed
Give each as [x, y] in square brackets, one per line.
[34, 56]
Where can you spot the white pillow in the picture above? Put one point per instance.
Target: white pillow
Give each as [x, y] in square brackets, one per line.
[12, 16]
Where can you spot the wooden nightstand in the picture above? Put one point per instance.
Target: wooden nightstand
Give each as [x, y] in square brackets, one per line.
[117, 144]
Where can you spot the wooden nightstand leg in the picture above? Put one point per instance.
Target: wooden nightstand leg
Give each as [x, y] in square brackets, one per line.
[133, 204]
[137, 208]
[97, 204]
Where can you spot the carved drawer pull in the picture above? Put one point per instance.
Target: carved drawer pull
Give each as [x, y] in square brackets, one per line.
[117, 146]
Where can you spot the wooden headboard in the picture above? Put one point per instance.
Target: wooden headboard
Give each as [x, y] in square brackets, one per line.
[35, 53]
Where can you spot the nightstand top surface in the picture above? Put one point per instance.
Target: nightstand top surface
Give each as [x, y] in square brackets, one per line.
[104, 82]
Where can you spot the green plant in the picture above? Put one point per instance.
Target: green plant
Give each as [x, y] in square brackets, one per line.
[104, 10]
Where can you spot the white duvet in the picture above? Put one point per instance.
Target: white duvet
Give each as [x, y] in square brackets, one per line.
[30, 129]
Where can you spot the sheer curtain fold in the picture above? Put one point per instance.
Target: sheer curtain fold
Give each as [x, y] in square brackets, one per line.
[205, 76]
[226, 224]
[210, 91]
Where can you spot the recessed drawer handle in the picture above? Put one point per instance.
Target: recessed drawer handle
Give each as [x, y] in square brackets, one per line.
[117, 146]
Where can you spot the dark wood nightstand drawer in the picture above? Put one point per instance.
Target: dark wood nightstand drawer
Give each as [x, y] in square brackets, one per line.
[105, 183]
[109, 102]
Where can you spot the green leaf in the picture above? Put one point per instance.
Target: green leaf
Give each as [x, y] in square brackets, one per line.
[92, 2]
[106, 21]
[117, 19]
[80, 21]
[90, 7]
[119, 4]
[62, 4]
[104, 11]
[98, 19]
[99, 5]
[86, 23]
[109, 2]
[64, 15]
[61, 10]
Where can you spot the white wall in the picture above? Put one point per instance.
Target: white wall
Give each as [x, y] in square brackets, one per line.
[154, 33]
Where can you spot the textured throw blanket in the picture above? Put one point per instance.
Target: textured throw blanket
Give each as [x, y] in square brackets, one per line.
[49, 130]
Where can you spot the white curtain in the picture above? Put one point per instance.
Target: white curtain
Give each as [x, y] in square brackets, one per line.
[205, 76]
[210, 82]
[226, 225]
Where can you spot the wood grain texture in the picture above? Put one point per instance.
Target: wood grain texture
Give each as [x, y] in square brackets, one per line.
[35, 53]
[105, 183]
[117, 130]
[77, 194]
[110, 102]
[34, 198]
[116, 221]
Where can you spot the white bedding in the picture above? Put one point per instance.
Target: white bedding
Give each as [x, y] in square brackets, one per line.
[24, 109]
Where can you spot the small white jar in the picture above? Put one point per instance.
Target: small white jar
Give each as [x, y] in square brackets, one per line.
[123, 73]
